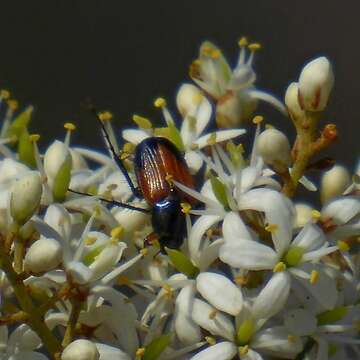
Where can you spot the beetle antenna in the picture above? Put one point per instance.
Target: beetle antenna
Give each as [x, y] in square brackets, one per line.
[112, 151]
[113, 202]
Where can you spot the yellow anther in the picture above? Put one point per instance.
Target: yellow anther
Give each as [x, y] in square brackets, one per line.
[169, 178]
[243, 41]
[34, 137]
[210, 340]
[315, 214]
[254, 46]
[144, 251]
[105, 115]
[243, 350]
[291, 339]
[117, 232]
[90, 240]
[140, 352]
[4, 94]
[123, 280]
[142, 122]
[212, 139]
[279, 267]
[269, 126]
[128, 148]
[271, 228]
[69, 126]
[314, 276]
[185, 207]
[13, 104]
[168, 291]
[343, 245]
[194, 146]
[215, 54]
[258, 119]
[160, 102]
[206, 50]
[212, 314]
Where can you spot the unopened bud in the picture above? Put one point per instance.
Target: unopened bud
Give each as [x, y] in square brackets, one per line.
[315, 83]
[273, 146]
[334, 182]
[80, 350]
[57, 166]
[188, 97]
[292, 100]
[304, 214]
[43, 255]
[25, 197]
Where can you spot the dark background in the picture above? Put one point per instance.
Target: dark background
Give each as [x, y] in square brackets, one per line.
[123, 54]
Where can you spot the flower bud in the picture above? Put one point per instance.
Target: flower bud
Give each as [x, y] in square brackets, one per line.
[188, 97]
[334, 182]
[233, 109]
[57, 166]
[292, 100]
[273, 146]
[303, 215]
[25, 197]
[80, 350]
[315, 83]
[43, 255]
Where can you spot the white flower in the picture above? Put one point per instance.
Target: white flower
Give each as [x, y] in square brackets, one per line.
[80, 350]
[12, 347]
[234, 90]
[242, 248]
[292, 101]
[248, 337]
[196, 111]
[315, 84]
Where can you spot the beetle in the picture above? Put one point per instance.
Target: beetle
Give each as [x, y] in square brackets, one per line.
[156, 161]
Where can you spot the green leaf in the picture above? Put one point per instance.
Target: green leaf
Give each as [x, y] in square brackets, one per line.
[20, 123]
[26, 149]
[62, 181]
[182, 263]
[156, 347]
[219, 190]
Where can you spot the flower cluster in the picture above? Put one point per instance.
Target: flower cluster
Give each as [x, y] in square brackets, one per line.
[260, 274]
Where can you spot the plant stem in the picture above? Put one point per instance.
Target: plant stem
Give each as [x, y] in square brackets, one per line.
[19, 252]
[71, 326]
[35, 320]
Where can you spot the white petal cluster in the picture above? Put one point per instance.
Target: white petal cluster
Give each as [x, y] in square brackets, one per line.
[260, 275]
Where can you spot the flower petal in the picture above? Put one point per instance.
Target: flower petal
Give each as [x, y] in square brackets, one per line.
[311, 237]
[108, 352]
[220, 292]
[248, 254]
[341, 209]
[224, 351]
[300, 322]
[200, 227]
[273, 296]
[193, 160]
[276, 342]
[212, 320]
[134, 136]
[220, 136]
[186, 329]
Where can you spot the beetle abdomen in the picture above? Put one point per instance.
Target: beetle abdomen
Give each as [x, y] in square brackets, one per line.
[155, 159]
